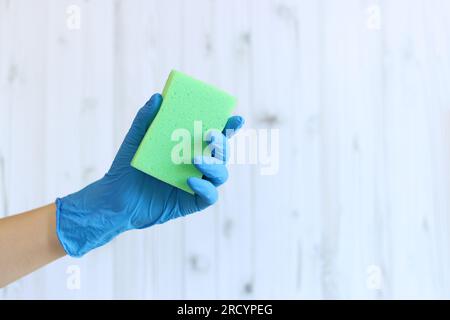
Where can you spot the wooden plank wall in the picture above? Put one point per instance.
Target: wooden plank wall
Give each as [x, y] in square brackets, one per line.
[358, 91]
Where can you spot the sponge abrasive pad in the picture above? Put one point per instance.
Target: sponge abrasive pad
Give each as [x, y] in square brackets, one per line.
[189, 109]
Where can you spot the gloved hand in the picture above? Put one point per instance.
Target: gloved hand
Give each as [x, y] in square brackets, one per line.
[126, 198]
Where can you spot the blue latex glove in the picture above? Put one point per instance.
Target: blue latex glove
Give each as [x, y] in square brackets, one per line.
[126, 198]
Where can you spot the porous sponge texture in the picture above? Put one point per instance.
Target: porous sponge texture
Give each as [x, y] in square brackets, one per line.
[185, 101]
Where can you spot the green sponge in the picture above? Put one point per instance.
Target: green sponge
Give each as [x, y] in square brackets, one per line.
[189, 109]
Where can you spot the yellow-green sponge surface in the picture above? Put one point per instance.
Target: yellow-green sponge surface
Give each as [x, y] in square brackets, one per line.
[189, 109]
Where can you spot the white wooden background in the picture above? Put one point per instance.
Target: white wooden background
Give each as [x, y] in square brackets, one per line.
[360, 207]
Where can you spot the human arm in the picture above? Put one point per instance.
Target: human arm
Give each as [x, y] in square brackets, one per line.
[28, 242]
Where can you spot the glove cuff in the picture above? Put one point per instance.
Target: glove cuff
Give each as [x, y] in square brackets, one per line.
[68, 229]
[58, 229]
[80, 230]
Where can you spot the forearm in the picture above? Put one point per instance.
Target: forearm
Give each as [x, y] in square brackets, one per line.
[28, 241]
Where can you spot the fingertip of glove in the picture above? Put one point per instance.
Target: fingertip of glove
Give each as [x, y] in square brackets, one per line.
[233, 125]
[154, 99]
[193, 182]
[206, 192]
[240, 120]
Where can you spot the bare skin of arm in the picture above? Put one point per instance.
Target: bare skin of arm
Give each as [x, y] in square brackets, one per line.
[28, 241]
